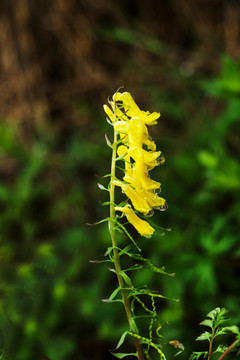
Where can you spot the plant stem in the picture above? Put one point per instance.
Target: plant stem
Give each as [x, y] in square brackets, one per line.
[226, 352]
[210, 347]
[116, 256]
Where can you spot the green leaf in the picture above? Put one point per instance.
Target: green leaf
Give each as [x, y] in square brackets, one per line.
[99, 222]
[135, 292]
[216, 318]
[99, 262]
[114, 294]
[197, 355]
[218, 315]
[207, 322]
[134, 267]
[125, 250]
[204, 336]
[108, 141]
[126, 278]
[101, 187]
[120, 168]
[133, 325]
[122, 338]
[220, 349]
[120, 157]
[127, 233]
[109, 250]
[228, 329]
[148, 262]
[107, 203]
[123, 355]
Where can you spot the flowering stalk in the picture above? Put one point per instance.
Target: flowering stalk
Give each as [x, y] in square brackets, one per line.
[133, 145]
[116, 256]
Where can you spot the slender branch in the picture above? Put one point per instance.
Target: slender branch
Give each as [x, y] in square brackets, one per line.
[226, 352]
[116, 256]
[210, 347]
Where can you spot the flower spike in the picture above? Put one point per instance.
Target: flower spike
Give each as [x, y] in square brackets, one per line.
[136, 148]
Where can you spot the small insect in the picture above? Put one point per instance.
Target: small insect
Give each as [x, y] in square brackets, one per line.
[177, 345]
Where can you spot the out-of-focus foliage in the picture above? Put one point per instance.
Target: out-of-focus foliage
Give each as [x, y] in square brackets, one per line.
[215, 320]
[52, 144]
[50, 294]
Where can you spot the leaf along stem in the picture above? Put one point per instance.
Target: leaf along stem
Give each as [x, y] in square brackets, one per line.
[116, 256]
[227, 351]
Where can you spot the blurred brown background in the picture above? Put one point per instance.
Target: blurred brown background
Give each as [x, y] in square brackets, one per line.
[54, 52]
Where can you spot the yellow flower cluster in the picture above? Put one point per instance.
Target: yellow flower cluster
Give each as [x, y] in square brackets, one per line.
[138, 151]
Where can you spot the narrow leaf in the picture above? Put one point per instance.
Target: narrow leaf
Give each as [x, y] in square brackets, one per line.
[99, 222]
[127, 233]
[126, 278]
[101, 187]
[109, 250]
[121, 341]
[108, 141]
[148, 262]
[109, 121]
[123, 355]
[120, 157]
[197, 355]
[100, 261]
[107, 203]
[114, 294]
[103, 177]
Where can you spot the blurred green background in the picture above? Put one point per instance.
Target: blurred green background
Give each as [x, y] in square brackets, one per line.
[59, 61]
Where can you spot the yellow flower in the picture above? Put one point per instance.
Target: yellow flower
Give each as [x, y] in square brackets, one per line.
[140, 181]
[138, 151]
[137, 133]
[142, 226]
[137, 197]
[140, 172]
[132, 110]
[155, 201]
[118, 113]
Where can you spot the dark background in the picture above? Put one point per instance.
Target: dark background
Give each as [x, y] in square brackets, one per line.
[59, 62]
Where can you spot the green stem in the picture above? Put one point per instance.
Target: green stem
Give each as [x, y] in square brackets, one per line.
[116, 256]
[210, 346]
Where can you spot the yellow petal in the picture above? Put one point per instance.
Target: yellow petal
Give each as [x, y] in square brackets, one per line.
[122, 127]
[140, 171]
[122, 149]
[142, 226]
[115, 109]
[109, 112]
[150, 119]
[154, 200]
[150, 158]
[133, 110]
[137, 197]
[138, 132]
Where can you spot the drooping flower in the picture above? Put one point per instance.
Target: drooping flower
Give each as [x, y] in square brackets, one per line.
[142, 226]
[136, 148]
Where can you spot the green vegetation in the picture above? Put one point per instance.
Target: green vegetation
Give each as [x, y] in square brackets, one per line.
[59, 62]
[214, 321]
[50, 293]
